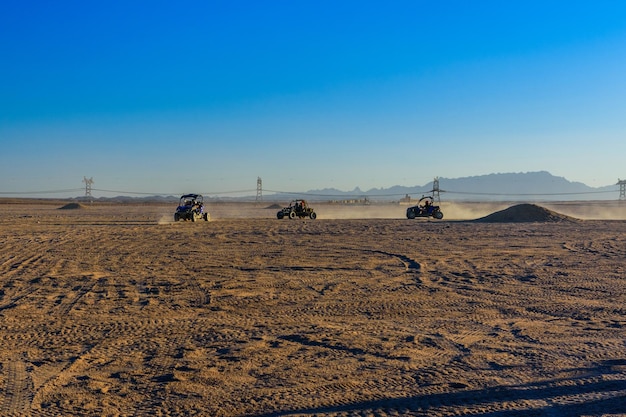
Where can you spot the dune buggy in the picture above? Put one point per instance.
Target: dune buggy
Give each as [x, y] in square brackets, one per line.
[424, 208]
[297, 208]
[191, 207]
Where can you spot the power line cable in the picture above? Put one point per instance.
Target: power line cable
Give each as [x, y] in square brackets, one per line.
[169, 194]
[528, 194]
[69, 190]
[429, 191]
[341, 195]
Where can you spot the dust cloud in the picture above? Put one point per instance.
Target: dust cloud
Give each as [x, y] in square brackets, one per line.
[454, 211]
[591, 210]
[166, 219]
[349, 211]
[470, 211]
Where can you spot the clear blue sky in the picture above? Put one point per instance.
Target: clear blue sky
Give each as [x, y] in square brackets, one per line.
[206, 96]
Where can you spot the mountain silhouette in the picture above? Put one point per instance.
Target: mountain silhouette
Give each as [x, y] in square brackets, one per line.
[526, 186]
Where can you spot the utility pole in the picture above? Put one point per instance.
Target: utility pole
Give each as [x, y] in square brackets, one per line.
[259, 190]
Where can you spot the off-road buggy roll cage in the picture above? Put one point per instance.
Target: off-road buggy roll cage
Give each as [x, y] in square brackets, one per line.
[297, 208]
[191, 207]
[424, 208]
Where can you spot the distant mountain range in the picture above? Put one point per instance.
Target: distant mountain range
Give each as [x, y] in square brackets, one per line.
[527, 186]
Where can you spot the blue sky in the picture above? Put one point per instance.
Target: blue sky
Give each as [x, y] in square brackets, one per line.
[206, 96]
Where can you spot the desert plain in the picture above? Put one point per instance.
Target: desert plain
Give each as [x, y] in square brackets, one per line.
[116, 310]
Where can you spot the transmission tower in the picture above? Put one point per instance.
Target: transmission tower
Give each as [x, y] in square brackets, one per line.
[436, 190]
[622, 189]
[88, 182]
[259, 190]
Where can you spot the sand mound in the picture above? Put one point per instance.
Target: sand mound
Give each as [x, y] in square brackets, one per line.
[72, 206]
[274, 206]
[522, 213]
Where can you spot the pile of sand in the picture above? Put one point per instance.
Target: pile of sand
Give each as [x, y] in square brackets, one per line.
[525, 213]
[274, 206]
[72, 206]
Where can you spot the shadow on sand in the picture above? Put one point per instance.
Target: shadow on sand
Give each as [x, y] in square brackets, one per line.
[589, 396]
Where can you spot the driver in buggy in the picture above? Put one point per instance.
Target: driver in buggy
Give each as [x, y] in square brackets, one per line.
[427, 207]
[194, 205]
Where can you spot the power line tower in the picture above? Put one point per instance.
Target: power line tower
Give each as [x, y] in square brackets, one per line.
[88, 182]
[259, 190]
[435, 191]
[622, 189]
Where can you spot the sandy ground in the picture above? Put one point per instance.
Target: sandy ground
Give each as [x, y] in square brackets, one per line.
[118, 311]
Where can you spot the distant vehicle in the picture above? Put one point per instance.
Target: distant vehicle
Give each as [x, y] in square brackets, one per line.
[297, 208]
[424, 208]
[191, 207]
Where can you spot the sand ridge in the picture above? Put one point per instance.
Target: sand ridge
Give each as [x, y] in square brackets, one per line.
[109, 311]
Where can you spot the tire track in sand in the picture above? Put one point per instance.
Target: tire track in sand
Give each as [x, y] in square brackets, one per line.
[18, 388]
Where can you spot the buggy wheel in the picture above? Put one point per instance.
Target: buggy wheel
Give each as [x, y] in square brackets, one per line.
[193, 217]
[292, 214]
[313, 216]
[280, 215]
[438, 215]
[410, 214]
[206, 217]
[176, 217]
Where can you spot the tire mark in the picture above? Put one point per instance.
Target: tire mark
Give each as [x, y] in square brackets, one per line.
[410, 265]
[18, 390]
[80, 292]
[13, 301]
[27, 263]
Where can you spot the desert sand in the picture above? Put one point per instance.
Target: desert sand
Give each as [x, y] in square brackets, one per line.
[115, 310]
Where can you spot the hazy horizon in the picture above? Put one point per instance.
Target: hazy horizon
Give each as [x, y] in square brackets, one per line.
[490, 187]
